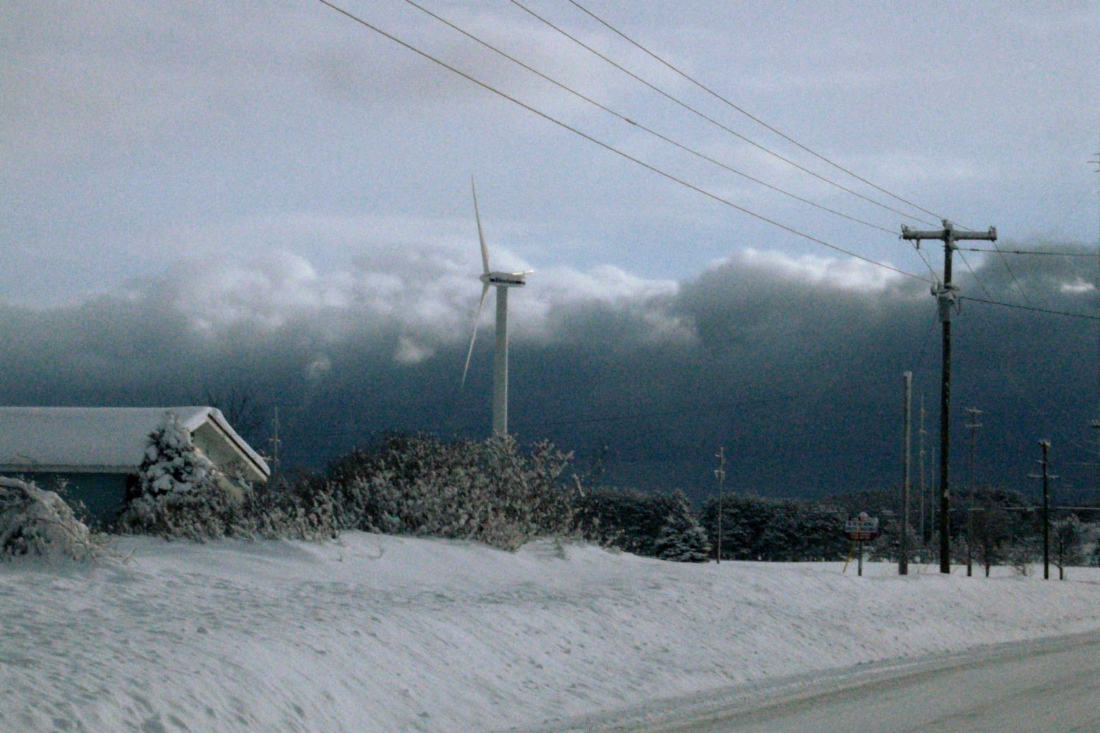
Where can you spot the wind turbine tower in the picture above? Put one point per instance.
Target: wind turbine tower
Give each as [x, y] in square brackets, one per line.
[501, 281]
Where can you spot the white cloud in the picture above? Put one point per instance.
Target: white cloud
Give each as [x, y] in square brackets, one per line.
[841, 274]
[1078, 286]
[425, 293]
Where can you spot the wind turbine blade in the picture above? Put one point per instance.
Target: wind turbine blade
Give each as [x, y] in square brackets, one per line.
[473, 337]
[480, 236]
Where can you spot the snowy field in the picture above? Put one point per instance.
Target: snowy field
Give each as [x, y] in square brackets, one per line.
[375, 633]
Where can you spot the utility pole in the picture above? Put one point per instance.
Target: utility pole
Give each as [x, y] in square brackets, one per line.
[1046, 476]
[973, 426]
[1096, 427]
[903, 549]
[720, 474]
[923, 536]
[946, 299]
[1096, 423]
[275, 442]
[931, 491]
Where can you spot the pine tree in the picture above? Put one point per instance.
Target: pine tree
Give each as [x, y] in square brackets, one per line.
[682, 538]
[173, 465]
[180, 493]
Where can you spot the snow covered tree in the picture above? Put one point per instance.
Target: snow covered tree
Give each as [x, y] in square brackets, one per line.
[682, 538]
[788, 530]
[180, 493]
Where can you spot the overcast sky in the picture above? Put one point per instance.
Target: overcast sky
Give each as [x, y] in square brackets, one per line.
[269, 193]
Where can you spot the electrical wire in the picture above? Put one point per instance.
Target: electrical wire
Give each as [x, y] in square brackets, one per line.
[1017, 306]
[752, 117]
[642, 127]
[764, 124]
[711, 120]
[677, 180]
[1030, 252]
[613, 149]
[975, 276]
[935, 277]
[924, 342]
[1004, 261]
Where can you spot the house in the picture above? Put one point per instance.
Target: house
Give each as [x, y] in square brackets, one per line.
[95, 452]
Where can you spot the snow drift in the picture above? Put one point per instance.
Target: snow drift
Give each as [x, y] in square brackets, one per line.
[379, 633]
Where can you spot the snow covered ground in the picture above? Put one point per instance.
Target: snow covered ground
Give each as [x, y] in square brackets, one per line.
[376, 633]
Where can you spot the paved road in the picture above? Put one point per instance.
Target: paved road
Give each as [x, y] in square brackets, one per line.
[1041, 691]
[1040, 687]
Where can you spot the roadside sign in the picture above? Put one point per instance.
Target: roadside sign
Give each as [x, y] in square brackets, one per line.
[862, 529]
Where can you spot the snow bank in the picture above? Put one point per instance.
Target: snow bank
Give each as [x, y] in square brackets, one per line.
[378, 633]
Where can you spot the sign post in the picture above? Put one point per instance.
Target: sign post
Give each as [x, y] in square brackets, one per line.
[859, 530]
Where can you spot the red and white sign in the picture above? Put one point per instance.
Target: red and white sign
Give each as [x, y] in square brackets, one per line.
[862, 529]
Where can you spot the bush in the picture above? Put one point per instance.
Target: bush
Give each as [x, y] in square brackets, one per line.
[39, 523]
[182, 495]
[489, 491]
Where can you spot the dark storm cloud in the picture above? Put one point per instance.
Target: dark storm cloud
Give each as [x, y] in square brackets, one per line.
[793, 364]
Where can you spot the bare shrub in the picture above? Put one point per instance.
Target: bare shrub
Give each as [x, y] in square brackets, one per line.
[491, 491]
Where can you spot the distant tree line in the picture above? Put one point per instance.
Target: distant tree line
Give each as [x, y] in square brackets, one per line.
[503, 494]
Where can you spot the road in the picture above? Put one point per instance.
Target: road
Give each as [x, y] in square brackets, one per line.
[1044, 687]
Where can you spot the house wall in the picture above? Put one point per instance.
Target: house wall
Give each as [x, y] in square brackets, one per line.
[222, 453]
[101, 494]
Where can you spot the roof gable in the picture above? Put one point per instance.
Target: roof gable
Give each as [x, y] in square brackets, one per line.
[100, 439]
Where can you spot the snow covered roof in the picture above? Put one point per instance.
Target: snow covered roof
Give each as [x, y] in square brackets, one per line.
[103, 439]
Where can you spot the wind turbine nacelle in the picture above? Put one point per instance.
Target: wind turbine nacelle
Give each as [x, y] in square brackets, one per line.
[505, 279]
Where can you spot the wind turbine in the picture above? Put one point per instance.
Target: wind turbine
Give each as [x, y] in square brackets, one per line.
[501, 281]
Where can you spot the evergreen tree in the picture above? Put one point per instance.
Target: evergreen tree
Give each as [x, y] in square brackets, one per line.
[682, 538]
[179, 491]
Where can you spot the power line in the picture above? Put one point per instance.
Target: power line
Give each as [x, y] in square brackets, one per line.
[1031, 252]
[1004, 260]
[613, 149]
[709, 119]
[1031, 308]
[752, 117]
[642, 127]
[975, 276]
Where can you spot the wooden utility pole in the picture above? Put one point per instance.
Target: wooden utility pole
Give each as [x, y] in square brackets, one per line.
[973, 426]
[1046, 476]
[946, 299]
[903, 547]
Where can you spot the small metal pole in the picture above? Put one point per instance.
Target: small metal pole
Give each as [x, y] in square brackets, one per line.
[860, 558]
[720, 472]
[903, 548]
[923, 536]
[973, 426]
[1046, 511]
